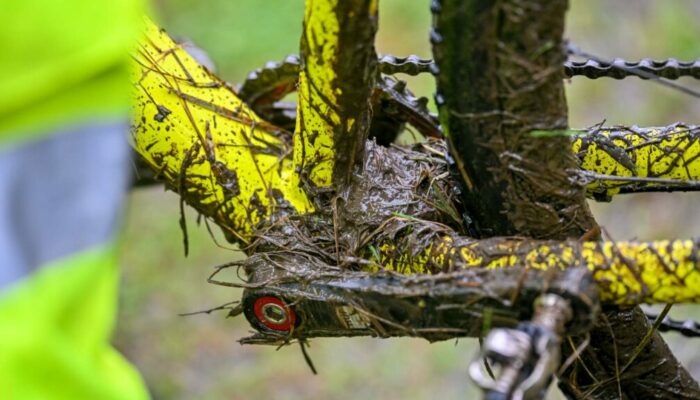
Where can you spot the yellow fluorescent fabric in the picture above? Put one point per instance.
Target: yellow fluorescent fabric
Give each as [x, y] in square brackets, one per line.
[63, 60]
[64, 63]
[54, 333]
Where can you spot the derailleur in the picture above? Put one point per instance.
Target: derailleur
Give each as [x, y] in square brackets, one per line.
[524, 358]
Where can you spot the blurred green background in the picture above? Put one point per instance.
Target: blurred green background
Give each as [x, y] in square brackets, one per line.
[197, 357]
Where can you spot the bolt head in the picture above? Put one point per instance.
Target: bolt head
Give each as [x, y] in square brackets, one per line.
[274, 313]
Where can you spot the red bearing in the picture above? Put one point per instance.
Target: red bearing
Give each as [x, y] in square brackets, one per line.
[274, 313]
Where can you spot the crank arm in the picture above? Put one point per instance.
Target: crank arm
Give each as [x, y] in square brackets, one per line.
[436, 307]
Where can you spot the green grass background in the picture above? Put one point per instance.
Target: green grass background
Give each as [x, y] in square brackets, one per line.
[197, 357]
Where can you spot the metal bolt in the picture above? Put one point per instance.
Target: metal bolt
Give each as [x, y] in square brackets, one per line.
[274, 313]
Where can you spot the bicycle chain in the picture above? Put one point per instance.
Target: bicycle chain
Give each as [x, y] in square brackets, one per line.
[395, 105]
[271, 82]
[411, 65]
[276, 79]
[619, 68]
[590, 68]
[267, 83]
[688, 328]
[266, 86]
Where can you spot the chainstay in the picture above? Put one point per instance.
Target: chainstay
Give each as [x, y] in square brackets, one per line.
[620, 69]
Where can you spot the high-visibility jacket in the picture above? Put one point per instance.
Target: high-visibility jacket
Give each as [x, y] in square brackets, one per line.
[64, 172]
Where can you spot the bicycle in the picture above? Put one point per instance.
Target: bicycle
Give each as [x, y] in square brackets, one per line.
[267, 145]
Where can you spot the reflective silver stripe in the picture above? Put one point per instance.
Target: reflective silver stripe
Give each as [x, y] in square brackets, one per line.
[60, 195]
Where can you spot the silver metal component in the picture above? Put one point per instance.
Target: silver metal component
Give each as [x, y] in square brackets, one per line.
[411, 65]
[547, 347]
[526, 357]
[552, 312]
[274, 313]
[262, 81]
[644, 69]
[505, 347]
[688, 328]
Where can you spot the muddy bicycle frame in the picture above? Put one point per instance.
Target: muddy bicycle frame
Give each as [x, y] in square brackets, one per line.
[439, 239]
